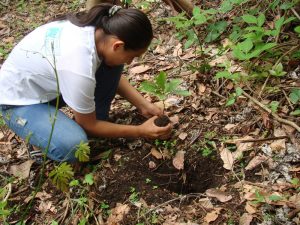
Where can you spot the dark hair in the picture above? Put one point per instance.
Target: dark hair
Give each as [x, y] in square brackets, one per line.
[131, 26]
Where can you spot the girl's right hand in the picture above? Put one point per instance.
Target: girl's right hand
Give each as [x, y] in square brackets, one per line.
[149, 130]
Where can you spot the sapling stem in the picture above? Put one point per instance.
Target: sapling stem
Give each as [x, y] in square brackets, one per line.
[40, 181]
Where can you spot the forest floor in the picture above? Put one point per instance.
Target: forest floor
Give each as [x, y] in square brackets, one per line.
[239, 165]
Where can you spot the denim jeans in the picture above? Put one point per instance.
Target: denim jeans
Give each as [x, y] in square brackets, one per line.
[34, 122]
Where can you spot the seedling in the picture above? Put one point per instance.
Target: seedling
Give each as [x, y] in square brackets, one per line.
[161, 88]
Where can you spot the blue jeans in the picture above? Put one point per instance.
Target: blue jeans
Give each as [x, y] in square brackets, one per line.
[34, 122]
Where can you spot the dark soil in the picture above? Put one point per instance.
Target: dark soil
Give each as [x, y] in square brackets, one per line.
[162, 121]
[155, 185]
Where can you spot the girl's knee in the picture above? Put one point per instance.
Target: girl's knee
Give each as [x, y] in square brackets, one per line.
[66, 149]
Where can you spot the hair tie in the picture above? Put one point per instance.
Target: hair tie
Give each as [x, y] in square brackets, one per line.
[112, 11]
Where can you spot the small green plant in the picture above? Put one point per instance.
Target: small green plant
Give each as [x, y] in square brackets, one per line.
[61, 176]
[88, 179]
[296, 183]
[162, 88]
[83, 152]
[168, 144]
[258, 198]
[274, 106]
[277, 70]
[105, 209]
[206, 151]
[134, 196]
[4, 211]
[148, 181]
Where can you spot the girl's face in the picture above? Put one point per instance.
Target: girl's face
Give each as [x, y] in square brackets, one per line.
[120, 56]
[112, 51]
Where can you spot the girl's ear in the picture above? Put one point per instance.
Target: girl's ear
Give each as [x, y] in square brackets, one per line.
[118, 45]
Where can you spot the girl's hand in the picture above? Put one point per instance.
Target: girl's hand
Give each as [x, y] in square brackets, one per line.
[148, 110]
[149, 130]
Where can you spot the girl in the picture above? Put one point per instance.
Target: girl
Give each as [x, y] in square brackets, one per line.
[85, 53]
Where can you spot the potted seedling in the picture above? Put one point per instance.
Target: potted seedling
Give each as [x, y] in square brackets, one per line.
[161, 88]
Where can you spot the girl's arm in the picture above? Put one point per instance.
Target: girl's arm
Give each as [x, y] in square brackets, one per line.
[126, 90]
[99, 128]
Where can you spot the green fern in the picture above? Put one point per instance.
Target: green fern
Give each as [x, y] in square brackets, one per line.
[83, 152]
[61, 176]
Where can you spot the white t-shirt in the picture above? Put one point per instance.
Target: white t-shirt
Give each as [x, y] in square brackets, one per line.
[27, 76]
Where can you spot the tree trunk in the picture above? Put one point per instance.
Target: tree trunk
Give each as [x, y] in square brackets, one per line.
[177, 5]
[90, 3]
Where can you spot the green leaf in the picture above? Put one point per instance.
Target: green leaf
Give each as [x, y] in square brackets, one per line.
[255, 28]
[61, 176]
[147, 86]
[295, 181]
[172, 85]
[182, 93]
[215, 30]
[196, 11]
[83, 152]
[297, 29]
[295, 95]
[83, 221]
[274, 106]
[287, 5]
[295, 113]
[226, 6]
[88, 179]
[189, 43]
[275, 198]
[223, 74]
[249, 19]
[261, 19]
[279, 23]
[161, 80]
[200, 19]
[74, 183]
[231, 100]
[290, 19]
[239, 91]
[246, 45]
[106, 154]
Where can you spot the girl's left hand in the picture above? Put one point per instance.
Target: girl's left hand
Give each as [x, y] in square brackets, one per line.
[148, 110]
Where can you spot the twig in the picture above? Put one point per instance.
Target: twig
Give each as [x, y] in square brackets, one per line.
[217, 94]
[286, 53]
[172, 200]
[279, 119]
[264, 139]
[295, 13]
[263, 87]
[66, 212]
[8, 192]
[288, 100]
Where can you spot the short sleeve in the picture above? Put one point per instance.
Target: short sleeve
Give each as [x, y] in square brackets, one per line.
[77, 90]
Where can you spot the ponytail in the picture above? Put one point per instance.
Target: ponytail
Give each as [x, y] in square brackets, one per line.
[130, 25]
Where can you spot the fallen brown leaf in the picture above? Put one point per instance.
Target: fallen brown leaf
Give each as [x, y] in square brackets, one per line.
[21, 170]
[156, 153]
[278, 145]
[178, 160]
[118, 213]
[246, 219]
[152, 165]
[139, 69]
[227, 158]
[212, 216]
[250, 209]
[257, 160]
[220, 195]
[182, 136]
